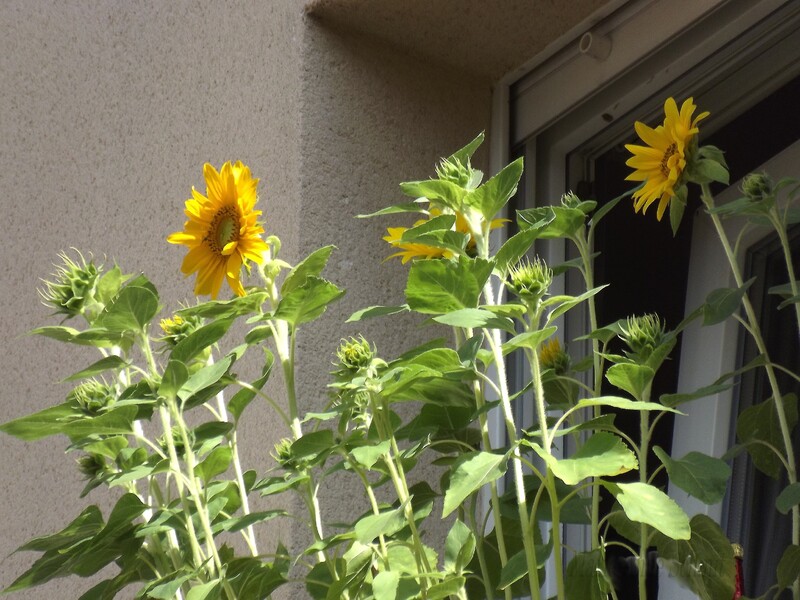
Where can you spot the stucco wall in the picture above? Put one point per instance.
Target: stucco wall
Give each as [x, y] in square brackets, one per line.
[107, 113]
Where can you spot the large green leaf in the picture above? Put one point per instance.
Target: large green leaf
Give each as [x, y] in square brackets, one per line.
[631, 378]
[311, 266]
[789, 567]
[493, 195]
[647, 504]
[388, 522]
[697, 474]
[528, 339]
[131, 309]
[375, 311]
[603, 455]
[204, 378]
[704, 563]
[442, 286]
[107, 363]
[49, 421]
[514, 249]
[385, 584]
[197, 341]
[468, 474]
[475, 318]
[438, 191]
[584, 578]
[307, 301]
[760, 423]
[245, 396]
[459, 547]
[722, 303]
[789, 497]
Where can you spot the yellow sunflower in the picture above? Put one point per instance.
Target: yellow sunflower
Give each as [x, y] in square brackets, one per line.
[222, 232]
[662, 161]
[412, 250]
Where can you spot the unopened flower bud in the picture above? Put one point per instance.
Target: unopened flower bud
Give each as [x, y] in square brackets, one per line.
[757, 186]
[92, 396]
[177, 328]
[355, 354]
[283, 454]
[553, 356]
[643, 334]
[530, 280]
[91, 465]
[72, 288]
[455, 171]
[570, 200]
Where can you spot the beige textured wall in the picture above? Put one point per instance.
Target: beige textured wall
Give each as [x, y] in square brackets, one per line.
[107, 112]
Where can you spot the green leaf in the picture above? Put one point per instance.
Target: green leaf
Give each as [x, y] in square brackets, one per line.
[677, 206]
[311, 266]
[529, 339]
[722, 303]
[436, 190]
[167, 590]
[116, 421]
[562, 222]
[760, 423]
[706, 170]
[603, 455]
[204, 378]
[384, 586]
[130, 310]
[644, 503]
[56, 332]
[447, 588]
[205, 591]
[789, 567]
[584, 578]
[789, 497]
[175, 375]
[407, 207]
[625, 404]
[442, 222]
[493, 195]
[699, 475]
[84, 526]
[468, 474]
[313, 444]
[704, 563]
[369, 528]
[108, 363]
[376, 311]
[631, 378]
[367, 456]
[217, 462]
[49, 421]
[197, 341]
[566, 303]
[465, 153]
[709, 390]
[241, 399]
[109, 284]
[234, 524]
[475, 317]
[308, 301]
[442, 286]
[109, 447]
[514, 249]
[459, 548]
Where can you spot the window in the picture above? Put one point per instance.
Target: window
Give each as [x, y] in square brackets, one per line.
[570, 117]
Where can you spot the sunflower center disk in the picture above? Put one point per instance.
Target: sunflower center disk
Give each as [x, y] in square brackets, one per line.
[668, 153]
[224, 229]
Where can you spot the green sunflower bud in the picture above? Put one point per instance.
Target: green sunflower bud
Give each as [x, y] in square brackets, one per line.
[91, 465]
[757, 187]
[92, 396]
[355, 354]
[73, 287]
[571, 200]
[643, 334]
[553, 356]
[530, 280]
[455, 171]
[283, 455]
[177, 328]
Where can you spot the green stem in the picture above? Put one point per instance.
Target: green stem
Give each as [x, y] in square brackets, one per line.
[644, 444]
[708, 199]
[787, 256]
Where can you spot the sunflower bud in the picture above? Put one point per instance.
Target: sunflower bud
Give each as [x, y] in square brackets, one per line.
[530, 280]
[92, 396]
[177, 328]
[91, 465]
[283, 455]
[553, 356]
[644, 334]
[355, 354]
[177, 439]
[73, 286]
[455, 171]
[757, 187]
[571, 200]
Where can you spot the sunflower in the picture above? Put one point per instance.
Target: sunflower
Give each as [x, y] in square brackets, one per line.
[662, 161]
[412, 250]
[222, 232]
